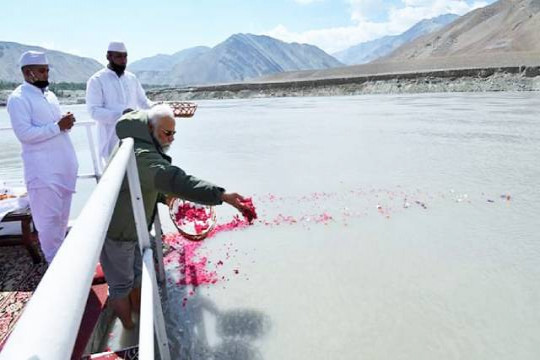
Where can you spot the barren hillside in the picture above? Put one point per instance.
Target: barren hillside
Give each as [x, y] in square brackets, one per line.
[507, 26]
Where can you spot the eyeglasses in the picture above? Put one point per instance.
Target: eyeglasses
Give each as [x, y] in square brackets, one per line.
[168, 132]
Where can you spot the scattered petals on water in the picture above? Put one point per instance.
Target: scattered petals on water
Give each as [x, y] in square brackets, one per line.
[190, 264]
[235, 224]
[187, 265]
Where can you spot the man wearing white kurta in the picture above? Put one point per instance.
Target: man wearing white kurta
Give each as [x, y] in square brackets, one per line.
[111, 92]
[50, 163]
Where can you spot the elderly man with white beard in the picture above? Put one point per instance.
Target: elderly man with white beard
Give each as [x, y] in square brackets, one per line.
[50, 163]
[153, 132]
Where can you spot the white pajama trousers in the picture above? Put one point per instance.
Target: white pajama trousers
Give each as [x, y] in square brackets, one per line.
[50, 211]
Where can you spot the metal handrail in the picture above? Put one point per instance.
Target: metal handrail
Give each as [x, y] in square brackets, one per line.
[151, 320]
[49, 325]
[98, 169]
[146, 321]
[150, 301]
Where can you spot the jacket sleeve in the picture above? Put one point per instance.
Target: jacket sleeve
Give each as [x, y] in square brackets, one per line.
[171, 180]
[96, 104]
[25, 130]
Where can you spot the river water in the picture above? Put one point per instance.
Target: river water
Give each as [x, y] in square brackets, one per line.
[390, 227]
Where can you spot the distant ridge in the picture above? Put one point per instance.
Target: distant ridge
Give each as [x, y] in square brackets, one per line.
[504, 27]
[162, 62]
[372, 50]
[503, 34]
[64, 67]
[238, 58]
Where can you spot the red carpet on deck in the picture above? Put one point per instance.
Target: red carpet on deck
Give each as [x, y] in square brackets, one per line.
[19, 278]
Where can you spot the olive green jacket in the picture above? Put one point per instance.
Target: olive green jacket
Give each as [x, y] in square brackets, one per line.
[157, 176]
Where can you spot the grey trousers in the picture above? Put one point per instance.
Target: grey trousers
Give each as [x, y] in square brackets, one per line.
[122, 266]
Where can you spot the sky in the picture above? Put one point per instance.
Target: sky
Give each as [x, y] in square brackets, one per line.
[166, 26]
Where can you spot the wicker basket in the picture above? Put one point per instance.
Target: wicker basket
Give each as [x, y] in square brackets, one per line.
[182, 109]
[188, 233]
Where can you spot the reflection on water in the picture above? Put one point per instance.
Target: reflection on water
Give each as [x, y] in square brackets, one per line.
[383, 277]
[197, 329]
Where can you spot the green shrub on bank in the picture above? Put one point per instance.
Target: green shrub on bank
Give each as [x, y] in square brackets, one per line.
[4, 85]
[55, 87]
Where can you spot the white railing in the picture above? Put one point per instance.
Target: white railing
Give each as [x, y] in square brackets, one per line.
[150, 301]
[49, 325]
[96, 164]
[93, 151]
[98, 170]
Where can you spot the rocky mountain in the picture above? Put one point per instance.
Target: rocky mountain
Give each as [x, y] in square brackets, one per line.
[372, 50]
[155, 69]
[503, 34]
[506, 27]
[64, 67]
[163, 62]
[241, 57]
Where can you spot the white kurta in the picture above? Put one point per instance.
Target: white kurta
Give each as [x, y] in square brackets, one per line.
[50, 163]
[107, 96]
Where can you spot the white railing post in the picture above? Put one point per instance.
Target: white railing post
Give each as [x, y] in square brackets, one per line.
[151, 298]
[137, 204]
[146, 324]
[150, 292]
[159, 248]
[93, 152]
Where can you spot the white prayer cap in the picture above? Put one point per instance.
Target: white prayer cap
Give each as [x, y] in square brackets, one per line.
[117, 46]
[33, 58]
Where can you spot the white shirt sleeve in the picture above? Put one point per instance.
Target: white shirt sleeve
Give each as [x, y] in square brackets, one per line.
[26, 132]
[144, 102]
[95, 104]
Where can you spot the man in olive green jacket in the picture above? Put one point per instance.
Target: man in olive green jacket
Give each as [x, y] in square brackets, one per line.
[153, 132]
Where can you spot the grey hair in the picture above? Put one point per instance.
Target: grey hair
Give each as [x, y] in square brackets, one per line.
[158, 112]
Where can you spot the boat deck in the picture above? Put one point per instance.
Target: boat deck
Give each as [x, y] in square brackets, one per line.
[19, 277]
[100, 334]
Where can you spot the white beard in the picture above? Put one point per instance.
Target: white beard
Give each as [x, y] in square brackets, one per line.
[164, 147]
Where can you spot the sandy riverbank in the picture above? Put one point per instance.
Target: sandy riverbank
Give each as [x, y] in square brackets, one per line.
[65, 97]
[458, 80]
[511, 78]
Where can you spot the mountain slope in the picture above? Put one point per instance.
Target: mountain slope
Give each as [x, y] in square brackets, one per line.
[163, 62]
[241, 57]
[504, 34]
[507, 26]
[64, 67]
[372, 50]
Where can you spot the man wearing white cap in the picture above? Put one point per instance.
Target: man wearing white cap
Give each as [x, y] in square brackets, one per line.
[50, 163]
[110, 93]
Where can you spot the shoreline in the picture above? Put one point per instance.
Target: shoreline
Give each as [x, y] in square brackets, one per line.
[511, 78]
[65, 97]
